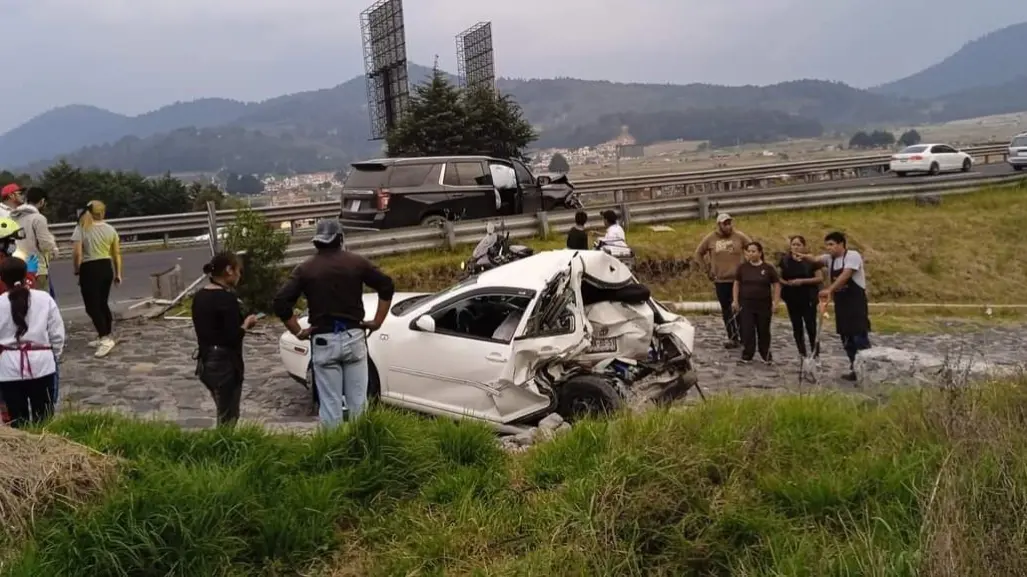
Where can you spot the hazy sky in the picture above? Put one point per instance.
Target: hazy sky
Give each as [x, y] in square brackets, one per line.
[131, 56]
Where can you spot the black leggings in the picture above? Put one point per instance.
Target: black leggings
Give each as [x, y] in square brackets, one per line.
[28, 401]
[725, 296]
[221, 370]
[94, 280]
[803, 314]
[754, 320]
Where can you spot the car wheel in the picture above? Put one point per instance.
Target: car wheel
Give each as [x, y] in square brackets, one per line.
[587, 395]
[966, 165]
[433, 220]
[935, 169]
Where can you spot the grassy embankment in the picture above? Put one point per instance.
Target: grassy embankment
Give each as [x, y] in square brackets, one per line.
[966, 251]
[931, 484]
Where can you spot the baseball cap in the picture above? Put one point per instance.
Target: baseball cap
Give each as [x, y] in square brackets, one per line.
[327, 230]
[723, 217]
[9, 190]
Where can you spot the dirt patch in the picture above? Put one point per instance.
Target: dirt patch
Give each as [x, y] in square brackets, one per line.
[40, 471]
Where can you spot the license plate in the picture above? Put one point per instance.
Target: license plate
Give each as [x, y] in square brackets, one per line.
[602, 346]
[354, 206]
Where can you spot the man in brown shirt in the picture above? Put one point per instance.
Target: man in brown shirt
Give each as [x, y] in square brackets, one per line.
[719, 255]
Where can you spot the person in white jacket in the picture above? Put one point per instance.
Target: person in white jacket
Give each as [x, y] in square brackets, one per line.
[38, 241]
[31, 342]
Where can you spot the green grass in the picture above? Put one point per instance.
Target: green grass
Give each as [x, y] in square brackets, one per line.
[933, 483]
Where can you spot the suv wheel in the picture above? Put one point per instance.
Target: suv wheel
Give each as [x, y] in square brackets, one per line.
[587, 395]
[433, 220]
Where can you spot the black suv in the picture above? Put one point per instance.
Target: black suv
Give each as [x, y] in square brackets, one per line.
[396, 192]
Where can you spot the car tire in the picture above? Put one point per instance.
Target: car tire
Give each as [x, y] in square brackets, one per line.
[433, 220]
[967, 165]
[900, 174]
[934, 170]
[587, 395]
[1017, 167]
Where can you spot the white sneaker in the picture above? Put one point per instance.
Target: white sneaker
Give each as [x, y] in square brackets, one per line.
[105, 347]
[93, 343]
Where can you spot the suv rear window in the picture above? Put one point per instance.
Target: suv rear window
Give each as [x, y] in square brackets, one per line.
[408, 175]
[367, 176]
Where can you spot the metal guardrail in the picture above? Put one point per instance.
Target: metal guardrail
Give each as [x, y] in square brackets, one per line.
[684, 183]
[405, 240]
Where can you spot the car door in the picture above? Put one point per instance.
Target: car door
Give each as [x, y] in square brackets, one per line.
[458, 368]
[531, 192]
[947, 157]
[469, 189]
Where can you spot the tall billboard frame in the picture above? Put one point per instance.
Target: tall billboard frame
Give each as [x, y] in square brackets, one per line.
[385, 65]
[475, 57]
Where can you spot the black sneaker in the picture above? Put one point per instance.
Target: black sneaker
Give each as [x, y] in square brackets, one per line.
[849, 376]
[732, 344]
[744, 361]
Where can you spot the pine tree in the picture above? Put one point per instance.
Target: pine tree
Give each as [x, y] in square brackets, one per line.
[435, 121]
[559, 163]
[444, 119]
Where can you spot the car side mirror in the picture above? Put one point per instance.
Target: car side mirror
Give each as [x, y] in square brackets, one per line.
[544, 180]
[425, 323]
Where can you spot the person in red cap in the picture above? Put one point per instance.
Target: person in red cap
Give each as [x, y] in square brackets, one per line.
[10, 199]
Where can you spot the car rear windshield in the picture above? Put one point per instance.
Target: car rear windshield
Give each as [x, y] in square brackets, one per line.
[367, 176]
[1019, 141]
[912, 149]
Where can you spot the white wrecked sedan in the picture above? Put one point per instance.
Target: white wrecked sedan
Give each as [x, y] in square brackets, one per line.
[563, 331]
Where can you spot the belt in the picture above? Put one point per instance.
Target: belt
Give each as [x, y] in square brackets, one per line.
[23, 349]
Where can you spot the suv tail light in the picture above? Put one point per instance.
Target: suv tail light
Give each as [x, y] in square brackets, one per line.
[916, 157]
[382, 194]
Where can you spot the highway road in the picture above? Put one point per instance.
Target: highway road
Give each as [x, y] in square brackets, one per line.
[139, 266]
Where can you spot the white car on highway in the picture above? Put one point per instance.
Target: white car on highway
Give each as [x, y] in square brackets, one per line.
[930, 159]
[570, 332]
[1018, 151]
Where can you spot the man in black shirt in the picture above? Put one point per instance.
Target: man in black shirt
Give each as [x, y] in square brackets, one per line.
[333, 283]
[577, 236]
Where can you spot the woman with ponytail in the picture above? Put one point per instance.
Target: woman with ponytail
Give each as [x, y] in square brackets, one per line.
[31, 341]
[97, 262]
[220, 328]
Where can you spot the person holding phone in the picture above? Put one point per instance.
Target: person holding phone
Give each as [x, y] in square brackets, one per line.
[220, 328]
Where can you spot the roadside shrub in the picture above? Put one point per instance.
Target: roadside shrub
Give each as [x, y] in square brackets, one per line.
[264, 247]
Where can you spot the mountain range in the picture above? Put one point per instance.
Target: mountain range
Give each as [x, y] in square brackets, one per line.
[324, 129]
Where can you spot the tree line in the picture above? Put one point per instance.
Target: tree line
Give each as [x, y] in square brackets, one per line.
[883, 139]
[719, 126]
[126, 194]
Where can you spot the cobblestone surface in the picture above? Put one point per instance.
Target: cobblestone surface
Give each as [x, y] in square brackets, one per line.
[150, 372]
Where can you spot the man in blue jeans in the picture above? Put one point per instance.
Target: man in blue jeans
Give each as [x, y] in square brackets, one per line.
[333, 283]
